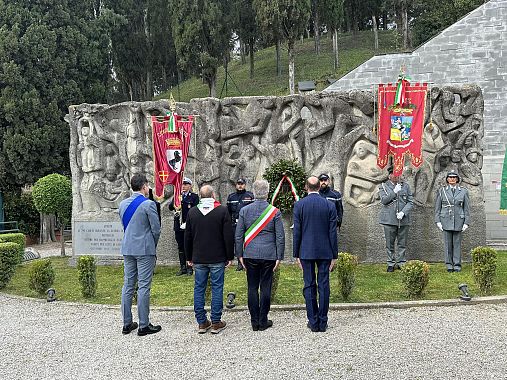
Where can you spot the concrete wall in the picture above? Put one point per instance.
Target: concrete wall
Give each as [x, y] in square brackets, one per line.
[473, 50]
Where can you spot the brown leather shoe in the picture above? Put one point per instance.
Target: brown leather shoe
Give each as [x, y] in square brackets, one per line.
[216, 327]
[204, 327]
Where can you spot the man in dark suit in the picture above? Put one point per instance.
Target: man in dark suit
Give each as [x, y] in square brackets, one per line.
[315, 244]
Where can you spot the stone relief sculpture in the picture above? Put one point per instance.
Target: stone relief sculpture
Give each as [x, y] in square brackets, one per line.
[332, 133]
[363, 175]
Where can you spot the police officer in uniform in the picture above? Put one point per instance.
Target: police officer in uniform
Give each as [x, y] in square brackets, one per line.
[397, 202]
[188, 200]
[331, 195]
[452, 217]
[235, 202]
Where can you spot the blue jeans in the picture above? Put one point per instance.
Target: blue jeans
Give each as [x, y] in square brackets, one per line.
[137, 269]
[216, 273]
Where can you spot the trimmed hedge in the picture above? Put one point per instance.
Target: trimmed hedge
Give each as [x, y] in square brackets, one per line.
[484, 267]
[415, 275]
[346, 268]
[87, 270]
[9, 259]
[41, 276]
[17, 238]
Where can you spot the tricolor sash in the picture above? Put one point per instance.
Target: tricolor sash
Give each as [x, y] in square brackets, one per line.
[267, 215]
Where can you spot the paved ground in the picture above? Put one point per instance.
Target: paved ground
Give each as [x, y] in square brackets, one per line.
[52, 248]
[40, 340]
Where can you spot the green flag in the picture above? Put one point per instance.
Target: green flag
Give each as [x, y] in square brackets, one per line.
[503, 193]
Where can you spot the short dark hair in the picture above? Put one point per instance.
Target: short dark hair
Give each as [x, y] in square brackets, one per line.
[138, 181]
[313, 184]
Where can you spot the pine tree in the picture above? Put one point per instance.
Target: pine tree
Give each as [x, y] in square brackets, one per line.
[201, 32]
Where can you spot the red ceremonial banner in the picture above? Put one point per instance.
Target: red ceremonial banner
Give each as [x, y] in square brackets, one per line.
[400, 125]
[171, 140]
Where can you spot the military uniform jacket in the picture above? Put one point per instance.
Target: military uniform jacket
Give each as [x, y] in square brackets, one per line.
[187, 202]
[335, 198]
[236, 201]
[393, 203]
[452, 210]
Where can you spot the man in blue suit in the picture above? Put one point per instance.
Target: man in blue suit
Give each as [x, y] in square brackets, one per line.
[315, 244]
[141, 233]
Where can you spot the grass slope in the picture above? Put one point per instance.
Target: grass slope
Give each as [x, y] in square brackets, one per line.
[353, 51]
[373, 284]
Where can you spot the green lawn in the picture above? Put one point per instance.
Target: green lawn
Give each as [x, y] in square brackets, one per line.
[373, 284]
[353, 51]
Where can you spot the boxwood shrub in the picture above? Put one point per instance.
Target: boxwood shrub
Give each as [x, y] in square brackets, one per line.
[9, 259]
[484, 268]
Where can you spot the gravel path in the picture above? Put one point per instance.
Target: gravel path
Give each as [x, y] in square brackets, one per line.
[52, 249]
[39, 340]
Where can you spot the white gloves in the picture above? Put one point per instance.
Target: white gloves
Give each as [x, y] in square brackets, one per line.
[397, 188]
[465, 226]
[400, 215]
[439, 225]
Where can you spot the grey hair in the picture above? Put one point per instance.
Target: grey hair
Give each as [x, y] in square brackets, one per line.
[261, 189]
[207, 191]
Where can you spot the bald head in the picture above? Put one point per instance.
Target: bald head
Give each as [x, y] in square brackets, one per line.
[313, 183]
[207, 191]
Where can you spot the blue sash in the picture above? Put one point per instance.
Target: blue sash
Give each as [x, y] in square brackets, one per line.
[131, 209]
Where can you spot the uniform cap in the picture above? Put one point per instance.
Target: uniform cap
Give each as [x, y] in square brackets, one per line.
[323, 177]
[187, 180]
[241, 181]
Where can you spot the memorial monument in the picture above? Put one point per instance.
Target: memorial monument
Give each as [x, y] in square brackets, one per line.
[333, 133]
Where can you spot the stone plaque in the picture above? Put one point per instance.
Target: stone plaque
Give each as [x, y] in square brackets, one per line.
[97, 238]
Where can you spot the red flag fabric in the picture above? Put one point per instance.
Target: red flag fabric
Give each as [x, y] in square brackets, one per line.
[400, 125]
[171, 140]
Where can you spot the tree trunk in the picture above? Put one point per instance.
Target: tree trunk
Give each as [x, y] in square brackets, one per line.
[290, 48]
[404, 21]
[62, 238]
[47, 229]
[213, 85]
[278, 60]
[335, 49]
[251, 47]
[355, 23]
[375, 31]
[242, 51]
[149, 86]
[316, 31]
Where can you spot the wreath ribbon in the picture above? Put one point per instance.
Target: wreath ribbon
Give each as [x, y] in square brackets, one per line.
[279, 187]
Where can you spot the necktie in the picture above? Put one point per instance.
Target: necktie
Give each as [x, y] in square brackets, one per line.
[453, 191]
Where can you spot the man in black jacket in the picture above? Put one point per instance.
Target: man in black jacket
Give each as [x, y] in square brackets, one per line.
[331, 195]
[188, 200]
[209, 247]
[235, 202]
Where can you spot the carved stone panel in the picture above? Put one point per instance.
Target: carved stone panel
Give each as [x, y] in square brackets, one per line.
[241, 137]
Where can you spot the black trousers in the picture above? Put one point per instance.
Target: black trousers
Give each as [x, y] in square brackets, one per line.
[259, 275]
[180, 239]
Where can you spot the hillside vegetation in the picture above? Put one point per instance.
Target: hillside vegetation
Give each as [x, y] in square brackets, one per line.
[353, 51]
